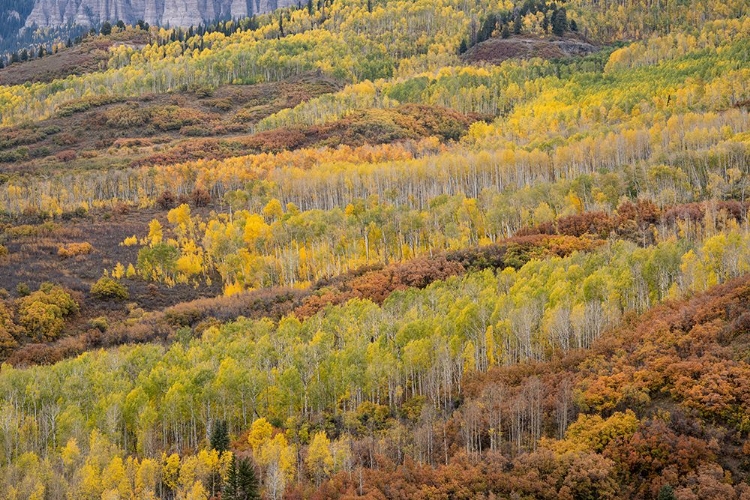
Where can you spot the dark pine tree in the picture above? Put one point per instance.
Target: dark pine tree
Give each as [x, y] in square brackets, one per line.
[666, 493]
[248, 481]
[106, 28]
[220, 436]
[463, 47]
[488, 27]
[231, 488]
[559, 22]
[241, 483]
[505, 32]
[517, 25]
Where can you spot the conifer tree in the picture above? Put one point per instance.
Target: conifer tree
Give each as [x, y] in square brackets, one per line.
[220, 436]
[559, 22]
[241, 483]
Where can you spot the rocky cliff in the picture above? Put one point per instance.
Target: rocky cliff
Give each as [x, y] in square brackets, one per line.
[57, 13]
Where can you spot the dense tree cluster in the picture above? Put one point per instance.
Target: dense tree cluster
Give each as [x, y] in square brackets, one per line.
[439, 280]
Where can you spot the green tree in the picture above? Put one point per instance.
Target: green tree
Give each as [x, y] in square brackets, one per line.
[559, 22]
[241, 483]
[666, 493]
[220, 436]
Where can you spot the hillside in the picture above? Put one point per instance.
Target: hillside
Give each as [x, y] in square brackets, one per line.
[497, 50]
[649, 426]
[369, 249]
[90, 55]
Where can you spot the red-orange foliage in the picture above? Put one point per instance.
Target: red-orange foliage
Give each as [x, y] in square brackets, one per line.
[632, 220]
[682, 368]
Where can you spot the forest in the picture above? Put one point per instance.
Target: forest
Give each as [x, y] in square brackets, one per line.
[380, 249]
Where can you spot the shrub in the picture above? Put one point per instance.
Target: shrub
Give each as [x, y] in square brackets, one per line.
[100, 323]
[42, 313]
[73, 249]
[130, 241]
[66, 139]
[166, 200]
[200, 197]
[222, 104]
[195, 131]
[66, 155]
[107, 288]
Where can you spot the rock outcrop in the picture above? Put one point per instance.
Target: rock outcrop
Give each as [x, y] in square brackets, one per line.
[57, 13]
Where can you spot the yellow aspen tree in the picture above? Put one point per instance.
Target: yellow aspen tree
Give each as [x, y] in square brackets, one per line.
[319, 459]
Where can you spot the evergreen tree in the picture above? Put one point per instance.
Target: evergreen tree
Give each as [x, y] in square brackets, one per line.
[220, 436]
[24, 55]
[666, 493]
[505, 33]
[573, 25]
[463, 47]
[231, 488]
[106, 28]
[248, 481]
[517, 25]
[559, 22]
[488, 27]
[241, 483]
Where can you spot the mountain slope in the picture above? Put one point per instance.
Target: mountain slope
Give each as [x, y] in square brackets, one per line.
[334, 246]
[185, 13]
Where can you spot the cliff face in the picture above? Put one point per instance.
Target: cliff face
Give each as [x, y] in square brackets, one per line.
[185, 13]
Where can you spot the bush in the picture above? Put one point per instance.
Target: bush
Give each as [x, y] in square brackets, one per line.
[100, 323]
[167, 200]
[73, 249]
[200, 197]
[107, 288]
[42, 313]
[66, 155]
[195, 131]
[22, 289]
